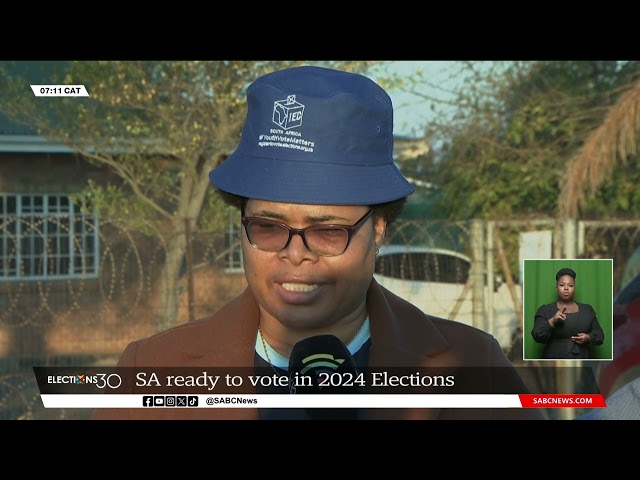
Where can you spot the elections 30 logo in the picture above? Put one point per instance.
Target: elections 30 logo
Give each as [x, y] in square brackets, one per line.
[99, 380]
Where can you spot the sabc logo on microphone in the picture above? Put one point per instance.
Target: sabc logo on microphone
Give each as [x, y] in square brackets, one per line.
[314, 367]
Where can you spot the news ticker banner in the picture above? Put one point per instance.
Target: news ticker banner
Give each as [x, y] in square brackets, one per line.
[59, 90]
[127, 387]
[324, 401]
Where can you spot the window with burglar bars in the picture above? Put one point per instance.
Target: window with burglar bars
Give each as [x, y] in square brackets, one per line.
[46, 237]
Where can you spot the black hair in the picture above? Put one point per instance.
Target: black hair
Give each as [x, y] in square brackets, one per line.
[565, 271]
[389, 211]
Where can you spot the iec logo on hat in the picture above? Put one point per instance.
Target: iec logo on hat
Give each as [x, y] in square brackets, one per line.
[314, 135]
[288, 113]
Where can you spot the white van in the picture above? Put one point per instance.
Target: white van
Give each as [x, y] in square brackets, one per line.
[436, 281]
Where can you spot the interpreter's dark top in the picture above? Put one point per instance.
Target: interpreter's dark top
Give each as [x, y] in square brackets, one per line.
[558, 339]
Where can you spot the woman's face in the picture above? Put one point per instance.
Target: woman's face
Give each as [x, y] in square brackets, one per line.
[303, 290]
[566, 288]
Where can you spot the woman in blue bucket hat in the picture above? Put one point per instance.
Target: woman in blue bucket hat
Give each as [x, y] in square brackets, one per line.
[316, 186]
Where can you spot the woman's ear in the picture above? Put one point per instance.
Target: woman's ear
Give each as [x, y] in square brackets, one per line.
[380, 227]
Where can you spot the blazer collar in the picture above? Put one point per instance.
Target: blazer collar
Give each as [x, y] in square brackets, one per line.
[401, 334]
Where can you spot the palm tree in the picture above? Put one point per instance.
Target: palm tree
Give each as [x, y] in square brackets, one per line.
[615, 138]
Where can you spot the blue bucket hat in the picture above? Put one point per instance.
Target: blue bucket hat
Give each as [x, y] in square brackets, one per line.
[315, 135]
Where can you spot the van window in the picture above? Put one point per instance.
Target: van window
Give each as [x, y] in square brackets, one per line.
[424, 266]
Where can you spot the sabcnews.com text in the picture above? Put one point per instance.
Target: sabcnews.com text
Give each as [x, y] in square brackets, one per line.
[562, 401]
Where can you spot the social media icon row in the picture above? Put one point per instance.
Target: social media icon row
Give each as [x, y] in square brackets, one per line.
[169, 401]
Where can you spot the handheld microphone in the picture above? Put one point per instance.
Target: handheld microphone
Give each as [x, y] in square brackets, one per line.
[324, 365]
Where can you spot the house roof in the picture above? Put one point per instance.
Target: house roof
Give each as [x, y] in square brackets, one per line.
[24, 138]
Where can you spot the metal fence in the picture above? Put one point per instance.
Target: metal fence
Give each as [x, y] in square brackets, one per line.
[89, 321]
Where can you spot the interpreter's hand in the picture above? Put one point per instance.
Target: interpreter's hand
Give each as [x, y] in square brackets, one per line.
[582, 339]
[559, 316]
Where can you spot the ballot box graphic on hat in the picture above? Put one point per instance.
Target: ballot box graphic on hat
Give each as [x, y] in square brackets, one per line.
[288, 113]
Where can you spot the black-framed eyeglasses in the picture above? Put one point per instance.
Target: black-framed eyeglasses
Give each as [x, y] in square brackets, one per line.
[325, 240]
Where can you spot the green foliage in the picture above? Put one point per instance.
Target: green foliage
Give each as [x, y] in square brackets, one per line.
[517, 127]
[619, 195]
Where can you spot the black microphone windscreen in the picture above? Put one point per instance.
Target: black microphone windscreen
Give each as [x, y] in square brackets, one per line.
[323, 364]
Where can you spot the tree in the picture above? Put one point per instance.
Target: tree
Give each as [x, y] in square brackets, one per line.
[519, 123]
[615, 139]
[160, 127]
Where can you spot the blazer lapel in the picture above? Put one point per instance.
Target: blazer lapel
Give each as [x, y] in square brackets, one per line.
[228, 346]
[402, 337]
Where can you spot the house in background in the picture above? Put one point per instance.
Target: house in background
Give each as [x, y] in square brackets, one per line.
[43, 233]
[49, 247]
